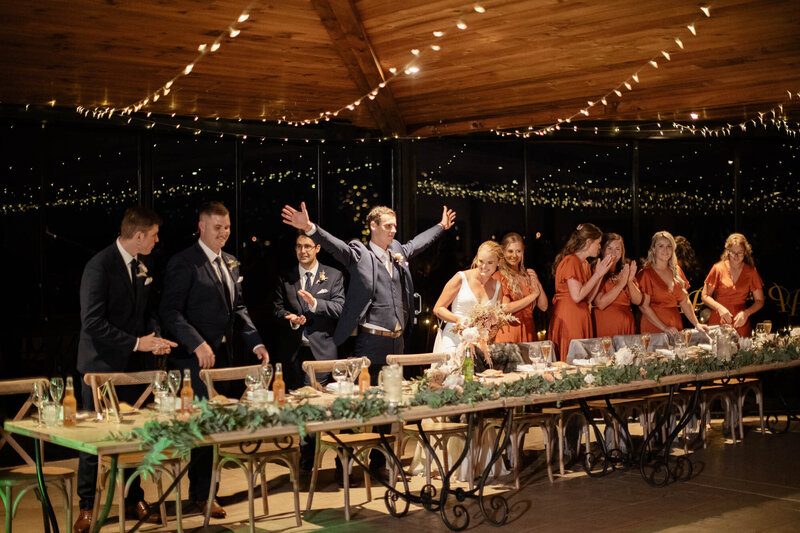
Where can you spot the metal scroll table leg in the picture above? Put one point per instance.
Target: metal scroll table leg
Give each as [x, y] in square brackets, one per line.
[47, 508]
[788, 412]
[591, 459]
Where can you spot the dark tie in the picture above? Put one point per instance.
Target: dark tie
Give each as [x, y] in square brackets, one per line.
[224, 281]
[134, 270]
[306, 287]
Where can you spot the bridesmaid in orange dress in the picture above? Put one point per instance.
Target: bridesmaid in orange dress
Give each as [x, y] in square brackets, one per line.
[728, 284]
[664, 288]
[576, 287]
[618, 290]
[520, 292]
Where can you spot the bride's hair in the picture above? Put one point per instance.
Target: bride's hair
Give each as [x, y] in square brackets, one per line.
[502, 266]
[577, 241]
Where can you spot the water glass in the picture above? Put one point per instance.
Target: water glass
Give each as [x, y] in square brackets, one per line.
[49, 413]
[339, 373]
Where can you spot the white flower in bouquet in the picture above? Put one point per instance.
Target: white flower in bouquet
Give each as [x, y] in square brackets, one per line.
[588, 379]
[795, 332]
[470, 335]
[623, 357]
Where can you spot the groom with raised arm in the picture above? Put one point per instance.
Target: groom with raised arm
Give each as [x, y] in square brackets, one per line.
[379, 299]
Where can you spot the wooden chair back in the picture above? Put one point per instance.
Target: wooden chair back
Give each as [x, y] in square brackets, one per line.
[416, 359]
[210, 375]
[10, 387]
[147, 377]
[312, 368]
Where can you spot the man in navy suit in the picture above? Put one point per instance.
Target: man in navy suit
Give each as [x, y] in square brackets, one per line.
[309, 298]
[116, 325]
[203, 308]
[379, 298]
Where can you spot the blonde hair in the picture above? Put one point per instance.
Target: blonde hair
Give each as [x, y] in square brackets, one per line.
[508, 239]
[737, 238]
[576, 242]
[672, 264]
[502, 265]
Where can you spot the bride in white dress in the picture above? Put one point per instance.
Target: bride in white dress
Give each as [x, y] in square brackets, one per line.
[464, 290]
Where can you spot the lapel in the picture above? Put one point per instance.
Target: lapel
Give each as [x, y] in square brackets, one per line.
[210, 273]
[123, 270]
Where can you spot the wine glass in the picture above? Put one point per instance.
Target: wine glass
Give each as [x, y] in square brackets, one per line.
[353, 368]
[57, 389]
[252, 381]
[339, 373]
[645, 341]
[546, 348]
[536, 354]
[174, 380]
[266, 375]
[39, 395]
[767, 327]
[687, 336]
[606, 345]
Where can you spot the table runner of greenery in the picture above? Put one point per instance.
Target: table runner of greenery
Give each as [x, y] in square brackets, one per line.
[176, 437]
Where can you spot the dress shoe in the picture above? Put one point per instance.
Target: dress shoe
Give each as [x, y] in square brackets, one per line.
[217, 511]
[140, 510]
[83, 522]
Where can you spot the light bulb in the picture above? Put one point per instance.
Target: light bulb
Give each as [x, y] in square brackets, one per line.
[234, 32]
[215, 47]
[679, 42]
[436, 47]
[666, 54]
[188, 69]
[653, 62]
[243, 17]
[691, 29]
[479, 9]
[438, 33]
[635, 78]
[706, 10]
[461, 25]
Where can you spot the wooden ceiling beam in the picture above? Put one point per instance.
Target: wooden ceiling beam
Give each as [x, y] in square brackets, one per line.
[350, 39]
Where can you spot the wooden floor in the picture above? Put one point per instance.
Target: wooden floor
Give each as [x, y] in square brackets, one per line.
[750, 486]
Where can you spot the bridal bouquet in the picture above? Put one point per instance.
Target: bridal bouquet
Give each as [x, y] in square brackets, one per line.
[481, 326]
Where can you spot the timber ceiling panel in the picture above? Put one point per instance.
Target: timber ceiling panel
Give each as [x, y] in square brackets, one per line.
[522, 62]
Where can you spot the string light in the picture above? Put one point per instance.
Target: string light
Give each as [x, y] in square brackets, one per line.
[532, 130]
[203, 50]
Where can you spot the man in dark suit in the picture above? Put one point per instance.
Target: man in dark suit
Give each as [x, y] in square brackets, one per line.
[380, 295]
[309, 298]
[203, 308]
[116, 323]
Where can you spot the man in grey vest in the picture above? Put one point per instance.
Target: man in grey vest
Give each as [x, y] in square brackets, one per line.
[380, 296]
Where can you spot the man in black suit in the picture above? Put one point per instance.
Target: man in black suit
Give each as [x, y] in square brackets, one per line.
[309, 298]
[116, 323]
[203, 308]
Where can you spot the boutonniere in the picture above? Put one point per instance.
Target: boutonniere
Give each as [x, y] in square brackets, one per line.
[322, 277]
[141, 271]
[399, 258]
[232, 263]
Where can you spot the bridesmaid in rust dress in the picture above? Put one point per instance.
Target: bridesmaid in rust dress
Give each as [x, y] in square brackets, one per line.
[729, 283]
[664, 288]
[520, 294]
[576, 287]
[618, 290]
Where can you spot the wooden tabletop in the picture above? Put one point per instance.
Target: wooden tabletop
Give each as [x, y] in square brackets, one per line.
[98, 437]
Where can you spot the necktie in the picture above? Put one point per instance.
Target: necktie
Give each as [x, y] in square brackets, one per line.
[306, 287]
[224, 281]
[134, 269]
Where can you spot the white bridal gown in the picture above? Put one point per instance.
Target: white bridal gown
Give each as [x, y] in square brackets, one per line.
[447, 341]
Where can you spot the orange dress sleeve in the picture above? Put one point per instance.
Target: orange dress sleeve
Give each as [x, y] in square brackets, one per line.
[754, 282]
[714, 276]
[571, 267]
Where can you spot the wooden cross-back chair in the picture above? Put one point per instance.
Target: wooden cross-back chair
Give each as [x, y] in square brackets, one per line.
[24, 476]
[170, 467]
[253, 464]
[439, 430]
[361, 443]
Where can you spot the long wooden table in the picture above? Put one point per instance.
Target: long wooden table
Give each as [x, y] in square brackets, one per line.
[97, 437]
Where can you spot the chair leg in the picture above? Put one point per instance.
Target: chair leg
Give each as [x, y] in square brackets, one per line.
[314, 473]
[560, 423]
[216, 475]
[345, 460]
[367, 479]
[68, 501]
[760, 401]
[162, 507]
[548, 449]
[263, 473]
[176, 470]
[102, 477]
[250, 474]
[294, 472]
[121, 498]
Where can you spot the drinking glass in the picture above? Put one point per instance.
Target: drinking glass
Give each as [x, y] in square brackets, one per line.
[49, 413]
[594, 351]
[39, 395]
[546, 348]
[536, 354]
[57, 389]
[266, 375]
[645, 341]
[339, 373]
[252, 381]
[606, 345]
[687, 336]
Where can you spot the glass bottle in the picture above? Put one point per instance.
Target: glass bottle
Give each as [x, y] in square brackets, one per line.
[468, 365]
[278, 386]
[363, 377]
[70, 404]
[187, 394]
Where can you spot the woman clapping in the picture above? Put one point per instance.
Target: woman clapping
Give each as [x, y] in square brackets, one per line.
[520, 294]
[618, 290]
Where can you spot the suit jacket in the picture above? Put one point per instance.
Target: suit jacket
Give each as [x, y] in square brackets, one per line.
[193, 307]
[320, 325]
[113, 315]
[362, 265]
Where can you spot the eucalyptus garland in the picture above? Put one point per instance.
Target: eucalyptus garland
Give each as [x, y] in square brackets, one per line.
[176, 438]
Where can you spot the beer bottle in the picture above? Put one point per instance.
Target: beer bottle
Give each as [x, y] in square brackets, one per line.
[278, 386]
[70, 404]
[187, 394]
[363, 377]
[468, 366]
